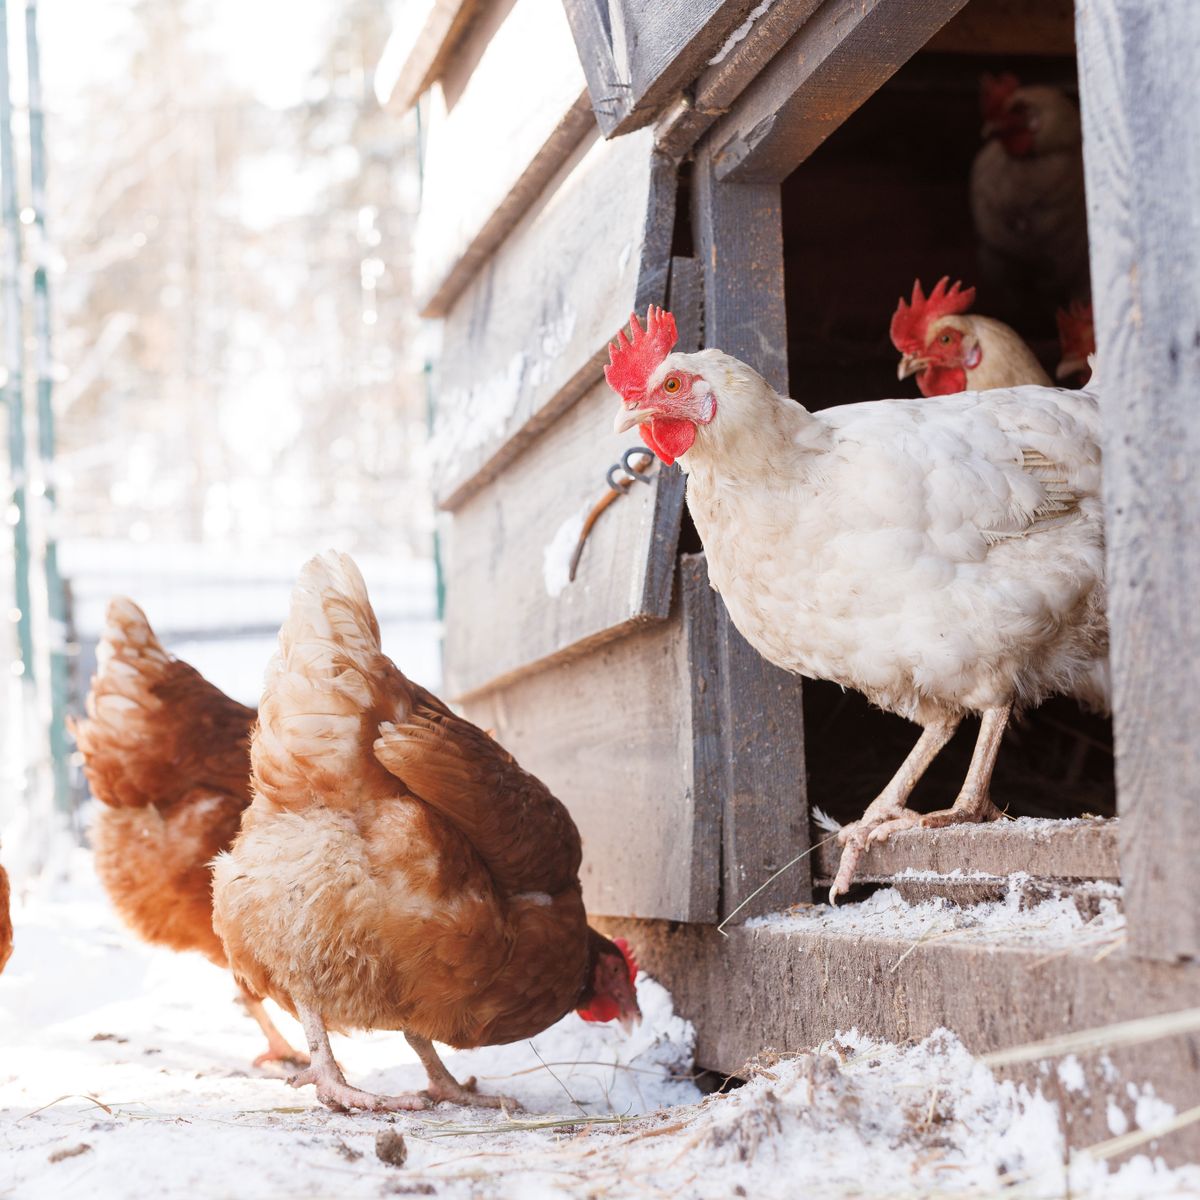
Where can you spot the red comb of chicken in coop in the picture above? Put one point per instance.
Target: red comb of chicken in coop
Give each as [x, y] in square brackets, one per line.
[910, 321]
[1077, 340]
[632, 360]
[995, 91]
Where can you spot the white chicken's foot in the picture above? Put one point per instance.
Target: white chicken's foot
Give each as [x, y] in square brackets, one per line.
[889, 806]
[326, 1076]
[973, 803]
[443, 1085]
[278, 1048]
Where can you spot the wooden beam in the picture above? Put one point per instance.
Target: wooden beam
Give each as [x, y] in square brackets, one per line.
[1034, 27]
[838, 59]
[1051, 849]
[495, 144]
[791, 989]
[1140, 97]
[528, 336]
[417, 48]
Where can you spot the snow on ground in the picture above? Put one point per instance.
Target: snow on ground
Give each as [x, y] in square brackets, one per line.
[124, 1073]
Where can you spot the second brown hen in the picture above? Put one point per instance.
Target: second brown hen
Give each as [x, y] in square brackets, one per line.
[168, 756]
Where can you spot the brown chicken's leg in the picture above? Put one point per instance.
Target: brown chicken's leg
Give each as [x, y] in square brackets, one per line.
[888, 810]
[972, 804]
[278, 1048]
[332, 1089]
[443, 1085]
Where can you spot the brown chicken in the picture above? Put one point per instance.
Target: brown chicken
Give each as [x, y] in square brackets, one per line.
[952, 350]
[168, 754]
[1027, 197]
[6, 929]
[397, 869]
[1077, 340]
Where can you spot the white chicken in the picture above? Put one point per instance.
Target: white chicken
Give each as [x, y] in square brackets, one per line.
[943, 556]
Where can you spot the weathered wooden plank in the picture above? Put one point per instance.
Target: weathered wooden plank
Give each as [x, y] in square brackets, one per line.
[494, 143]
[748, 727]
[766, 31]
[1080, 849]
[638, 57]
[511, 542]
[425, 31]
[1140, 98]
[528, 335]
[739, 239]
[762, 987]
[1033, 27]
[838, 58]
[611, 733]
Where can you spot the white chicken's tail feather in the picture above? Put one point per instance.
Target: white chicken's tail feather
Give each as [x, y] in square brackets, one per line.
[323, 692]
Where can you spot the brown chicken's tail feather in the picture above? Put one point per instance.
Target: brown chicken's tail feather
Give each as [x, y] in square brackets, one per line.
[326, 688]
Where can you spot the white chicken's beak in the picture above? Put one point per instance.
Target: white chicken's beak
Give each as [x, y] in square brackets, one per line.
[627, 418]
[910, 365]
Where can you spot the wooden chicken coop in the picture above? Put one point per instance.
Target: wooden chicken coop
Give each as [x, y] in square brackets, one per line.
[777, 173]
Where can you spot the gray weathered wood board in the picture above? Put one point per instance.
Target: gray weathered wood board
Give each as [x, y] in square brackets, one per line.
[510, 544]
[495, 139]
[1078, 849]
[610, 733]
[838, 58]
[638, 57]
[428, 29]
[1140, 95]
[791, 989]
[528, 336]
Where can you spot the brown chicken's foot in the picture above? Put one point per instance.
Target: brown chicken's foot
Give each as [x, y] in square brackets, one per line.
[326, 1076]
[443, 1085]
[278, 1048]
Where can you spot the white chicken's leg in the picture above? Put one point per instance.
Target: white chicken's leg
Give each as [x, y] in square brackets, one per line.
[332, 1089]
[443, 1085]
[973, 802]
[890, 805]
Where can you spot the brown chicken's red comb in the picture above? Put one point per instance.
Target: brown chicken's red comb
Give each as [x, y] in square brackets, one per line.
[632, 360]
[911, 320]
[995, 91]
[1076, 330]
[620, 943]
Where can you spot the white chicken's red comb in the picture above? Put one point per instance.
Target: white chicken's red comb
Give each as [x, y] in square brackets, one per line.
[632, 360]
[910, 321]
[995, 91]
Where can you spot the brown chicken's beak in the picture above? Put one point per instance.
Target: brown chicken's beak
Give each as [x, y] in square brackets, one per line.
[1069, 367]
[630, 1020]
[627, 418]
[910, 365]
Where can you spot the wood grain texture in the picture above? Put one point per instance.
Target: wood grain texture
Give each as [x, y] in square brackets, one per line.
[791, 991]
[1033, 27]
[528, 336]
[507, 133]
[509, 543]
[837, 59]
[1140, 98]
[748, 730]
[610, 733]
[739, 240]
[421, 42]
[1079, 849]
[639, 56]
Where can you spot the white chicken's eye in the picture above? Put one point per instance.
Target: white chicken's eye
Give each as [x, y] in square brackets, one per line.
[671, 384]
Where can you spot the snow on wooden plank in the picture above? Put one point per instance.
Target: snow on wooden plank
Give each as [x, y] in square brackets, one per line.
[637, 58]
[528, 336]
[837, 59]
[512, 542]
[496, 137]
[1077, 849]
[1141, 123]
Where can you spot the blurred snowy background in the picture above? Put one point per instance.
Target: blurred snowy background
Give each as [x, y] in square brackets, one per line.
[235, 368]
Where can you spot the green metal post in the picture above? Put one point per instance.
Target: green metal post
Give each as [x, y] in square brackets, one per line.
[13, 390]
[56, 596]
